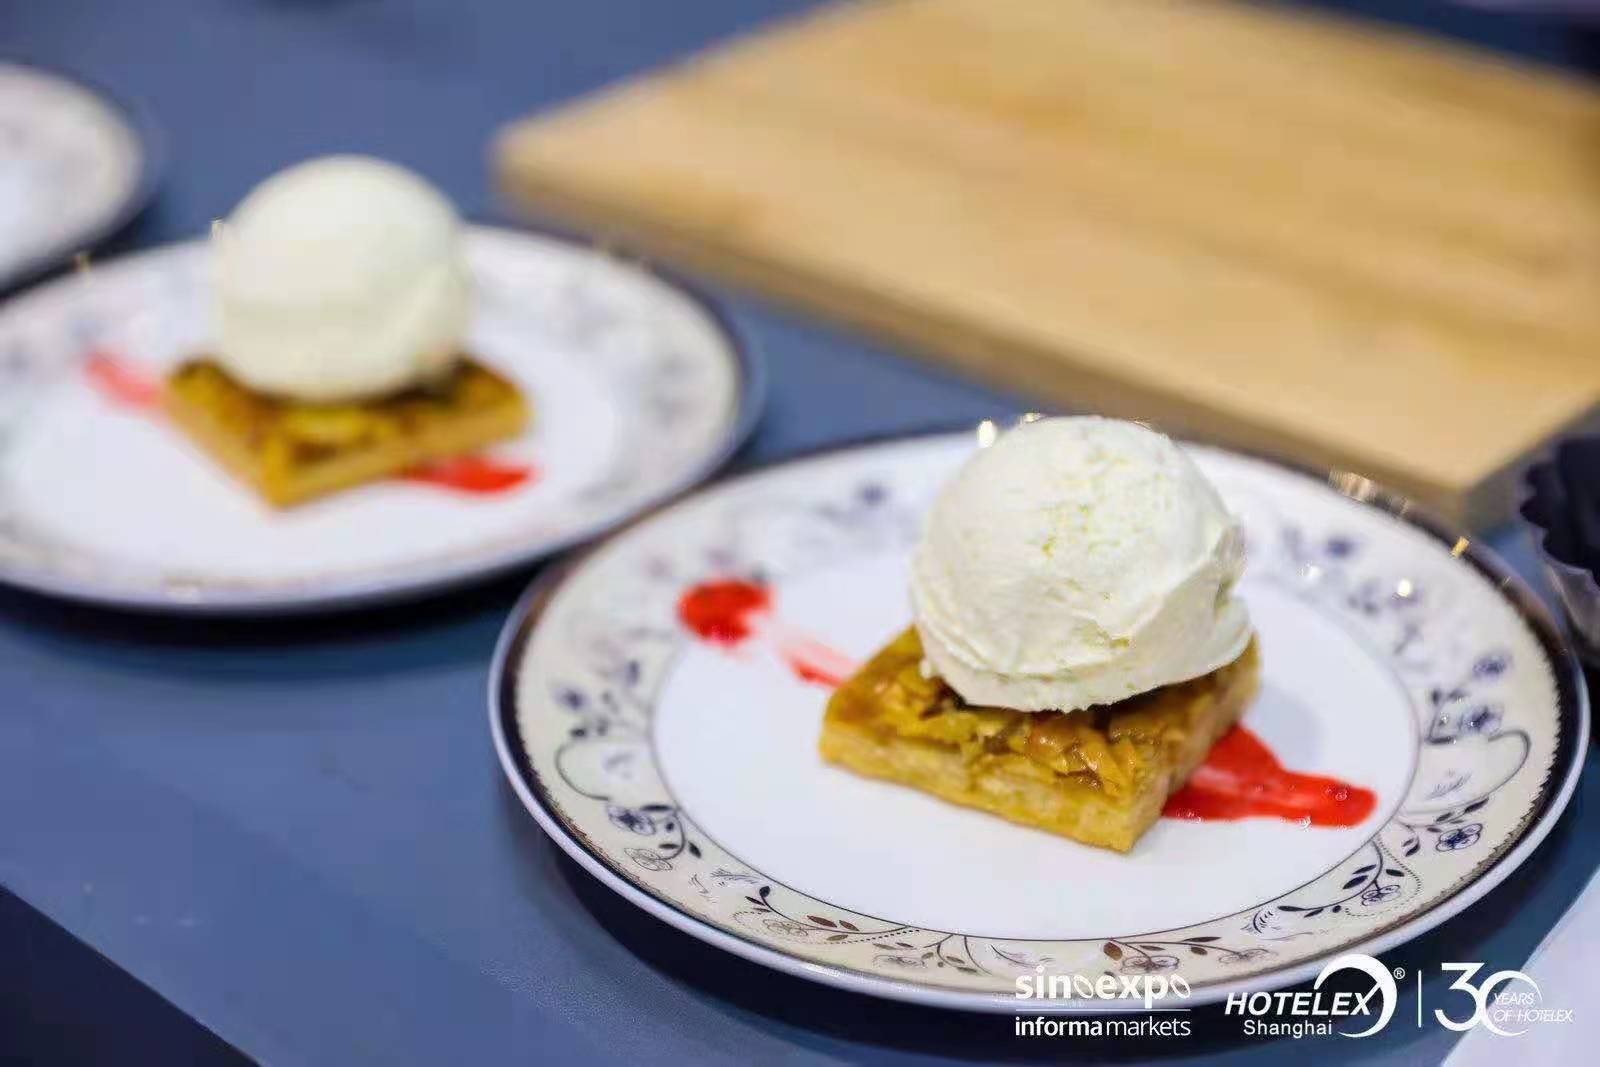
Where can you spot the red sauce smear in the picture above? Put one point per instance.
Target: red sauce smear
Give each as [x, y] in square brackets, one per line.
[729, 611]
[1241, 778]
[121, 383]
[724, 612]
[473, 474]
[816, 663]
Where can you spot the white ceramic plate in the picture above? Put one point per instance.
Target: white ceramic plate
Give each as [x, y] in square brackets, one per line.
[685, 774]
[72, 169]
[638, 389]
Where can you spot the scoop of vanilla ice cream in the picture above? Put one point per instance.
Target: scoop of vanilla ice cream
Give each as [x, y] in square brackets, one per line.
[1074, 562]
[339, 279]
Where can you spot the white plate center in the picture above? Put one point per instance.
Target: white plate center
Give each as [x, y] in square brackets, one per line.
[736, 735]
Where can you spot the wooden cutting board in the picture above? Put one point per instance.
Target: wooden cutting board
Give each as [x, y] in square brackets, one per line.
[1342, 244]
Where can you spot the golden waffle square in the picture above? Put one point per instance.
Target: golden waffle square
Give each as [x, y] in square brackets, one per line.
[290, 451]
[1100, 775]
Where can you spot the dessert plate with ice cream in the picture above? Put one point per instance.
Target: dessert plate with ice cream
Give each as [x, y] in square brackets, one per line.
[346, 395]
[945, 718]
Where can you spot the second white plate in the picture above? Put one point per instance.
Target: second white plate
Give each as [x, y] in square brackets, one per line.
[638, 388]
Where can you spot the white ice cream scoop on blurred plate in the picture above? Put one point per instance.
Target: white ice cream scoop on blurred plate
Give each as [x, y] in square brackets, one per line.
[341, 279]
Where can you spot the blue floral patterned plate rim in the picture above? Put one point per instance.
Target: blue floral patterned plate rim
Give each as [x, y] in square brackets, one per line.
[1455, 832]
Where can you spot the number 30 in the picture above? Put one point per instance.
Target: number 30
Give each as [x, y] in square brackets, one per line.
[1480, 997]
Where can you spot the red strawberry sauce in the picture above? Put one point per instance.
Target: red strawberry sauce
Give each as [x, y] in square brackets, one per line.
[1241, 778]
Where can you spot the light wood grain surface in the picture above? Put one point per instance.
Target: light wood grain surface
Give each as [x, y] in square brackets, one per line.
[1348, 246]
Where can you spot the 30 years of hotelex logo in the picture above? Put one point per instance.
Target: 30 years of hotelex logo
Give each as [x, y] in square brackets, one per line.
[1354, 996]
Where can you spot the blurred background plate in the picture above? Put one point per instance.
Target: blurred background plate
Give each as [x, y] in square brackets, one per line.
[74, 168]
[638, 389]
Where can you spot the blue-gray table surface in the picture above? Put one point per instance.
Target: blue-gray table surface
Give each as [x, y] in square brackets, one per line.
[295, 832]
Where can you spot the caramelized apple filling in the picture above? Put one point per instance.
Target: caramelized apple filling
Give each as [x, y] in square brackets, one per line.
[293, 450]
[1109, 748]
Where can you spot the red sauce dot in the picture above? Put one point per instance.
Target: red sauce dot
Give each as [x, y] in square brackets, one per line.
[724, 611]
